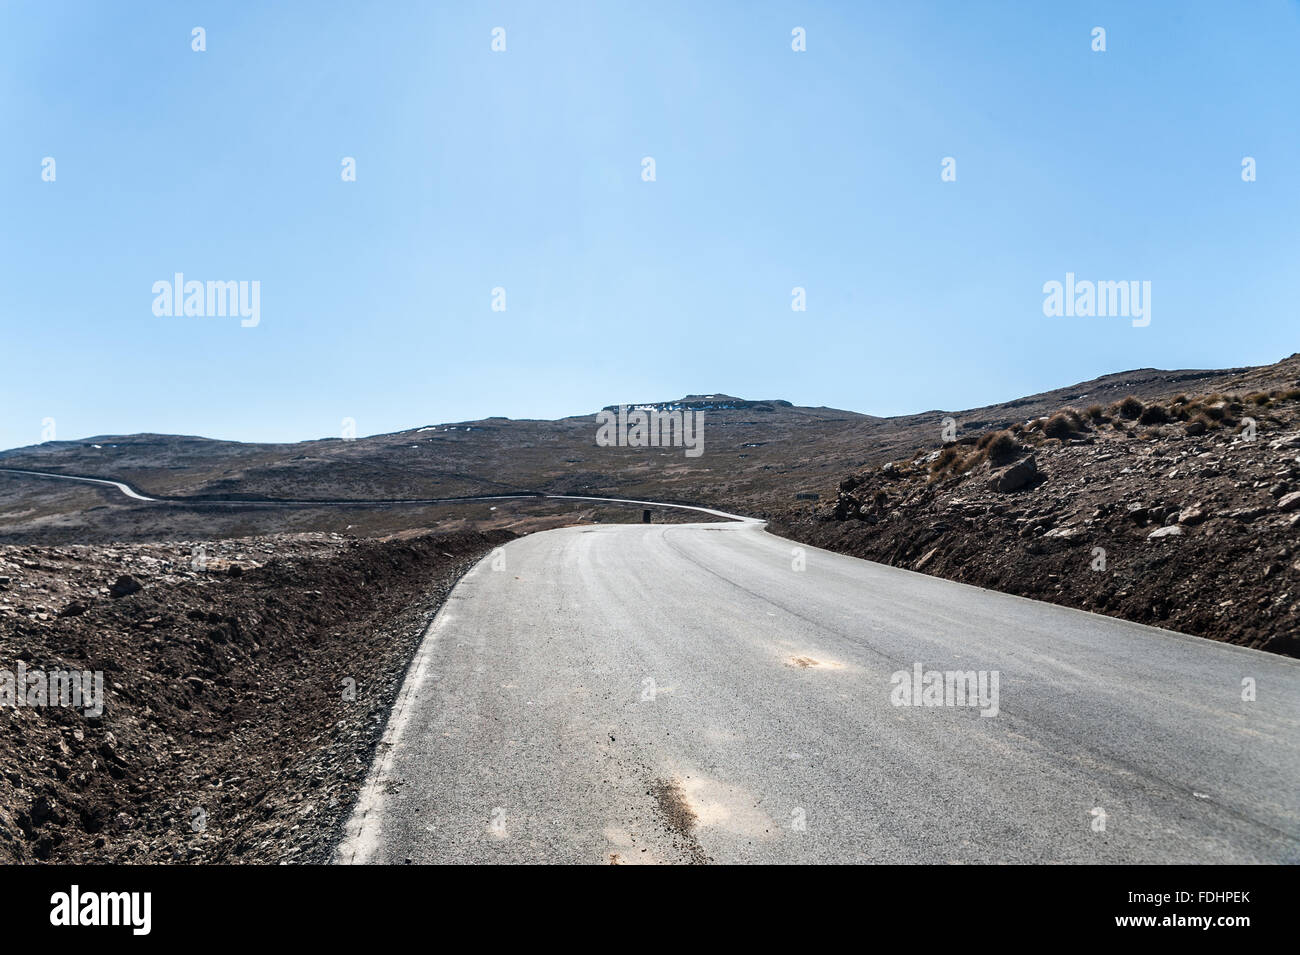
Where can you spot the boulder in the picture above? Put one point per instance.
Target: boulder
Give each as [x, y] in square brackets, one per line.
[1171, 530]
[847, 506]
[124, 587]
[1015, 476]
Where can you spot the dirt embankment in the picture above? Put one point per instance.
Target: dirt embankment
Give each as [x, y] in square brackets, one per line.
[245, 687]
[1183, 514]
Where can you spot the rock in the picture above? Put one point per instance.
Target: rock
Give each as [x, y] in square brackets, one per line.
[1194, 428]
[1172, 530]
[234, 570]
[1289, 502]
[1067, 532]
[5, 581]
[1191, 515]
[1157, 513]
[847, 506]
[44, 809]
[1014, 477]
[124, 587]
[74, 609]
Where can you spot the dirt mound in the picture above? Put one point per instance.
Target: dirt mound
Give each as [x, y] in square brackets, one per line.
[245, 687]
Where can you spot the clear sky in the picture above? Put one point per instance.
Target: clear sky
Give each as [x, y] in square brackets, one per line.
[522, 170]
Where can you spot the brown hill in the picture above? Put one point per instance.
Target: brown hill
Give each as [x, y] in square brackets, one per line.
[1182, 513]
[757, 456]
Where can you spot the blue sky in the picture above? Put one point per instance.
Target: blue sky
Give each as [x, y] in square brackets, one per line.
[522, 169]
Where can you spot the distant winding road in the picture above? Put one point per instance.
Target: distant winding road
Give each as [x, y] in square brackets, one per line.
[201, 501]
[124, 488]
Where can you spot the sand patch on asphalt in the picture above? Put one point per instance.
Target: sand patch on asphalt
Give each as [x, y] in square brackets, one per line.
[713, 804]
[808, 663]
[624, 849]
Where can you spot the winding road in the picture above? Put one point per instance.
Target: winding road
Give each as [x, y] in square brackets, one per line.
[711, 692]
[200, 501]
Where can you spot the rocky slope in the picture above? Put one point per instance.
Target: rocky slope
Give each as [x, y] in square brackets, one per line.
[245, 689]
[1183, 513]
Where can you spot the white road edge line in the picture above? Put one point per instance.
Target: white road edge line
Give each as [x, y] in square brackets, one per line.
[361, 833]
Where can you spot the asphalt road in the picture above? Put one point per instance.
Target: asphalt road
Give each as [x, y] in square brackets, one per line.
[103, 482]
[687, 693]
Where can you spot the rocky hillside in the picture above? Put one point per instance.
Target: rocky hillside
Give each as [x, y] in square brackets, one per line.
[245, 687]
[1183, 513]
[757, 456]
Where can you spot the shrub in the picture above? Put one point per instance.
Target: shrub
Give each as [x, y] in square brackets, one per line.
[1153, 414]
[1059, 426]
[988, 437]
[945, 459]
[1130, 408]
[1002, 446]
